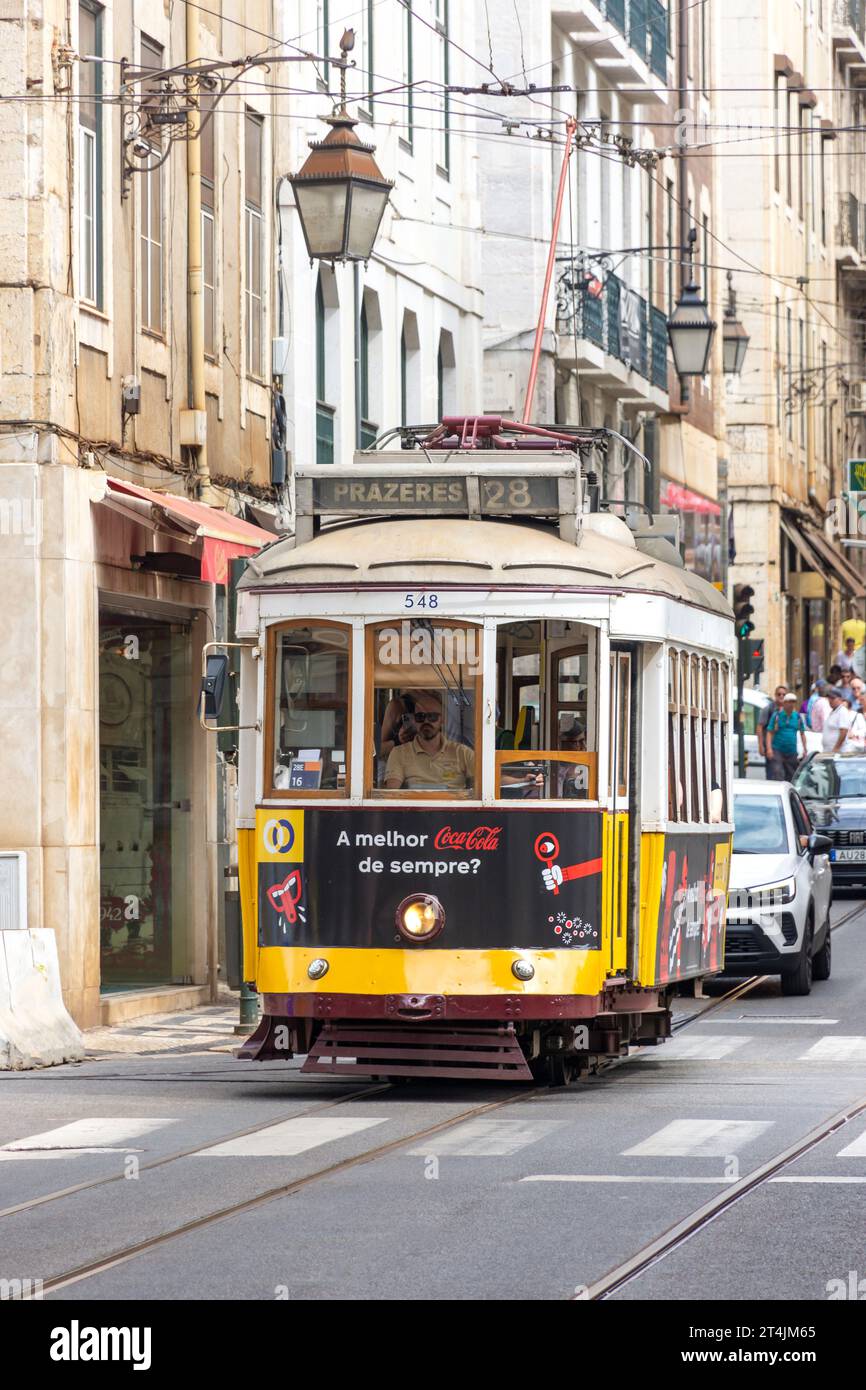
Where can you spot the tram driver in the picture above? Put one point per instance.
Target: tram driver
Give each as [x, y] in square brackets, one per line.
[429, 761]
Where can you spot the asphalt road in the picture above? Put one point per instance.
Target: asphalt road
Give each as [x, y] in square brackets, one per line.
[529, 1195]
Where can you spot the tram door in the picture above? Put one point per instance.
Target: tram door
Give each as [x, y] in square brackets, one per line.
[616, 823]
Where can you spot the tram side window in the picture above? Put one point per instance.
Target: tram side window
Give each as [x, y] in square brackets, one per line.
[697, 739]
[309, 734]
[426, 696]
[545, 712]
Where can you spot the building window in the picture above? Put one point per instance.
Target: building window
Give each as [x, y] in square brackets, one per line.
[254, 244]
[367, 58]
[801, 404]
[443, 135]
[410, 370]
[367, 428]
[408, 74]
[151, 228]
[208, 222]
[789, 388]
[323, 24]
[669, 238]
[446, 376]
[789, 163]
[324, 413]
[822, 175]
[778, 362]
[801, 167]
[777, 134]
[90, 155]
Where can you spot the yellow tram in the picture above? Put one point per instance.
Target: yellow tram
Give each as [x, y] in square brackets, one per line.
[483, 787]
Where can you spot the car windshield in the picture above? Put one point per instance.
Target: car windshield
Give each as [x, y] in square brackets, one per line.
[824, 779]
[759, 825]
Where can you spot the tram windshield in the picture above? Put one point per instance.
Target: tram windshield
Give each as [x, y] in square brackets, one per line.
[546, 711]
[426, 701]
[311, 707]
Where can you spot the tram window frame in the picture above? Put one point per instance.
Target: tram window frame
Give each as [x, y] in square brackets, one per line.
[272, 792]
[545, 647]
[698, 702]
[378, 794]
[674, 776]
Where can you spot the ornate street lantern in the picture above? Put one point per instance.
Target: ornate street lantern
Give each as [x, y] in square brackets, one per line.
[340, 192]
[735, 339]
[690, 329]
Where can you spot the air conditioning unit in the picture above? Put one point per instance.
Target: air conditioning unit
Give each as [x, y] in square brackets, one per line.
[13, 890]
[856, 404]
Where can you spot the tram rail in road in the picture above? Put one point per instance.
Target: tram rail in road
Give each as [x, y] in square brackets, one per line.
[615, 1279]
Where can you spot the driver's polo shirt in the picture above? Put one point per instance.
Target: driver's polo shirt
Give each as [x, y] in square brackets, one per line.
[450, 767]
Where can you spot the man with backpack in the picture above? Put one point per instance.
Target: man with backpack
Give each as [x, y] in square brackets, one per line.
[784, 726]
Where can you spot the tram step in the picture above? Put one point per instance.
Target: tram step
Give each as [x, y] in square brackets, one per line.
[481, 1054]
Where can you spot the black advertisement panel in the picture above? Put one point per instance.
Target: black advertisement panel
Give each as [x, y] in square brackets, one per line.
[692, 907]
[505, 879]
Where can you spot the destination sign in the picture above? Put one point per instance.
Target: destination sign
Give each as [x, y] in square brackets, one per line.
[505, 495]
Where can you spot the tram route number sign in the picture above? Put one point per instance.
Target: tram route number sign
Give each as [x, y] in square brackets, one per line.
[506, 495]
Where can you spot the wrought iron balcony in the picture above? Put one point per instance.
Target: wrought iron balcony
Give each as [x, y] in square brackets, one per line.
[602, 310]
[645, 24]
[851, 14]
[625, 37]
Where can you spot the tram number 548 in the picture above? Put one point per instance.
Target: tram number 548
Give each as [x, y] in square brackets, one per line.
[421, 601]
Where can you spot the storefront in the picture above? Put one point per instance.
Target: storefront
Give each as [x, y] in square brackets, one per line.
[701, 529]
[818, 584]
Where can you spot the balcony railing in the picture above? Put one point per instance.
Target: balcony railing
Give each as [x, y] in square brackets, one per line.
[851, 14]
[645, 24]
[613, 318]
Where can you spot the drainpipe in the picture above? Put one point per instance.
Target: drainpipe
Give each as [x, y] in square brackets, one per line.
[194, 271]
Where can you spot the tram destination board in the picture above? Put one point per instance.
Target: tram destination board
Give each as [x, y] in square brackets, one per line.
[506, 494]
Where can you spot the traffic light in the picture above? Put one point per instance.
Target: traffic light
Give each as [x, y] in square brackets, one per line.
[743, 611]
[754, 663]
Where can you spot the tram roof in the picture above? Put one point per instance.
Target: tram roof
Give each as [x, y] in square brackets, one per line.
[424, 551]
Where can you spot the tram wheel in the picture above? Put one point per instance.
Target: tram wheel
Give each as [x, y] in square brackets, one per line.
[561, 1069]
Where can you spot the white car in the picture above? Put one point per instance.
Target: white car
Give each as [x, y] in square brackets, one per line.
[779, 895]
[753, 702]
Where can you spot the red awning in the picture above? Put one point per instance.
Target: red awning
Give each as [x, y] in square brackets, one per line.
[223, 537]
[682, 499]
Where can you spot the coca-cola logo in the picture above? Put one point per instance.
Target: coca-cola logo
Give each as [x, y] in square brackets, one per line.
[481, 837]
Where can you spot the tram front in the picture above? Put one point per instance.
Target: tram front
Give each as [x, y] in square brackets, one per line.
[443, 809]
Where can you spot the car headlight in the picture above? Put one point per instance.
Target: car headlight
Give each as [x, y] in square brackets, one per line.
[770, 895]
[420, 917]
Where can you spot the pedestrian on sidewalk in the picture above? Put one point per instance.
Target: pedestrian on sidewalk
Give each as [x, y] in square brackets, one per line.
[764, 718]
[836, 725]
[845, 658]
[782, 731]
[818, 707]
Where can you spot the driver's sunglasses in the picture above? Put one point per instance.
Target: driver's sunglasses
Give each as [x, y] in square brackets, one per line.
[426, 716]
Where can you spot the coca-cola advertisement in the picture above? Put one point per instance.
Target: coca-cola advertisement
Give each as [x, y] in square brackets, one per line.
[504, 878]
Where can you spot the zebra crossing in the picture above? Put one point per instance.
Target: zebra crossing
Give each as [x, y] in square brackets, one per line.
[484, 1137]
[717, 1047]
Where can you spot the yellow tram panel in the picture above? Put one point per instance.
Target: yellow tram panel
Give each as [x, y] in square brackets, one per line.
[283, 970]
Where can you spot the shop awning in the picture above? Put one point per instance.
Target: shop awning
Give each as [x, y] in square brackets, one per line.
[222, 537]
[818, 554]
[682, 499]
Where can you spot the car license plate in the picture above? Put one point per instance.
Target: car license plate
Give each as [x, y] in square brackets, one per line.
[849, 856]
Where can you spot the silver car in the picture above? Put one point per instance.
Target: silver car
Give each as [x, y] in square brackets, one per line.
[780, 890]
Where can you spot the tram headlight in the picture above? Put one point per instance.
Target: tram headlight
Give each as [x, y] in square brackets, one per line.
[523, 970]
[420, 917]
[317, 968]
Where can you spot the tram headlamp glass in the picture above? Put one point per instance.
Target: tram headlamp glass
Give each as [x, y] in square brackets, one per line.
[523, 970]
[420, 917]
[317, 968]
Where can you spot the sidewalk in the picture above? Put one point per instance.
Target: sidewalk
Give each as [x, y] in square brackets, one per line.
[208, 1029]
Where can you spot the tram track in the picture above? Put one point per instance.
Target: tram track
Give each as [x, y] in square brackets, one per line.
[672, 1239]
[615, 1279]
